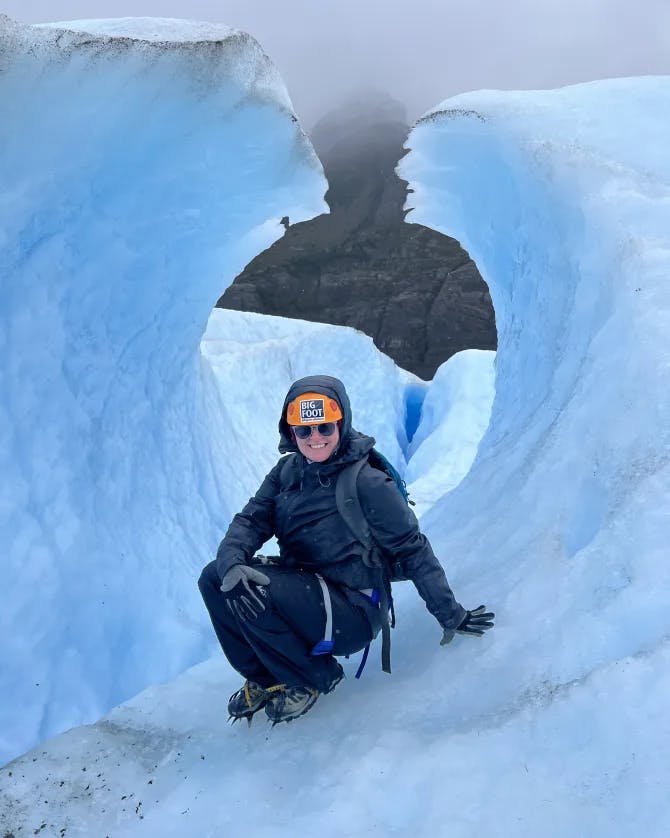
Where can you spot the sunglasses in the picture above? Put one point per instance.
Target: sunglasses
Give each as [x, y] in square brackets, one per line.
[324, 429]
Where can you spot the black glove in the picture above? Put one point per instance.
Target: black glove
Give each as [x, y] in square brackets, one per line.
[243, 589]
[475, 623]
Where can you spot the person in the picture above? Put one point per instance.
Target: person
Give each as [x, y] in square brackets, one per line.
[283, 623]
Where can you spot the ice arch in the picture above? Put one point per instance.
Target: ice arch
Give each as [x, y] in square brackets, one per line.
[563, 199]
[142, 165]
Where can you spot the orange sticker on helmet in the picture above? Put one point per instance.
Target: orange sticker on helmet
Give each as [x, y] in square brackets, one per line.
[312, 409]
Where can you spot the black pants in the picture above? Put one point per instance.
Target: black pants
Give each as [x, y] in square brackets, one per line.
[275, 647]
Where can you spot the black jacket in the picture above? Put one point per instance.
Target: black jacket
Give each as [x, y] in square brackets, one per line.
[296, 502]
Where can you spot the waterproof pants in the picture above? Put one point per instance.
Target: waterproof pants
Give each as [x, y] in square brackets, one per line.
[275, 647]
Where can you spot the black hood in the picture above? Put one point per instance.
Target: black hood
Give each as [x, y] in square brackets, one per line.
[328, 386]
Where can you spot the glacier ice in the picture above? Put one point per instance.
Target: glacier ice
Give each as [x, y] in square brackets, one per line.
[560, 717]
[139, 176]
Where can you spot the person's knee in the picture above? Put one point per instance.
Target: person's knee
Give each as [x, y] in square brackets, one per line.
[209, 581]
[279, 588]
[293, 594]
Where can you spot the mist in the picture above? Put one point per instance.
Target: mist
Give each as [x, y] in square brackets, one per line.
[419, 52]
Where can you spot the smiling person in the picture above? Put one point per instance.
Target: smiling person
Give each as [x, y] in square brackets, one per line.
[345, 532]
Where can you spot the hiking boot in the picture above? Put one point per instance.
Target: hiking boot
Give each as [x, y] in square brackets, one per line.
[337, 677]
[290, 702]
[248, 700]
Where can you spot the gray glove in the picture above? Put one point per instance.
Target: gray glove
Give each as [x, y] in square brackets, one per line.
[475, 623]
[243, 588]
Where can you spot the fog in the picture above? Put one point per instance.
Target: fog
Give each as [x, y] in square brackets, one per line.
[419, 52]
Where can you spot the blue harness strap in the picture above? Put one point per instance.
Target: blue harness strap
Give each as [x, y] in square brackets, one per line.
[364, 660]
[375, 599]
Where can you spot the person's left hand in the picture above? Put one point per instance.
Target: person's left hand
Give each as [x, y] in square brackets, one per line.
[241, 587]
[475, 623]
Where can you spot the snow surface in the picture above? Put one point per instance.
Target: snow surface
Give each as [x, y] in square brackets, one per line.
[556, 723]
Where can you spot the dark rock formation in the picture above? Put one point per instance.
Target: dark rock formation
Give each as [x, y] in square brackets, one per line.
[414, 291]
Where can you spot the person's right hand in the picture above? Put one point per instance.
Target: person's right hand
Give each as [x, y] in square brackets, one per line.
[243, 588]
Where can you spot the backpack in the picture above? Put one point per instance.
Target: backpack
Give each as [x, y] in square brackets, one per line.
[349, 507]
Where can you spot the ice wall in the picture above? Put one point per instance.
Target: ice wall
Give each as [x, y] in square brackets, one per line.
[455, 414]
[142, 163]
[563, 200]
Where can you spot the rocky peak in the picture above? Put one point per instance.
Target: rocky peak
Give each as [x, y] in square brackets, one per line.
[416, 292]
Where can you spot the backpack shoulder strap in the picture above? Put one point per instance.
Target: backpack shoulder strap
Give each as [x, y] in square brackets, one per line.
[349, 504]
[349, 507]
